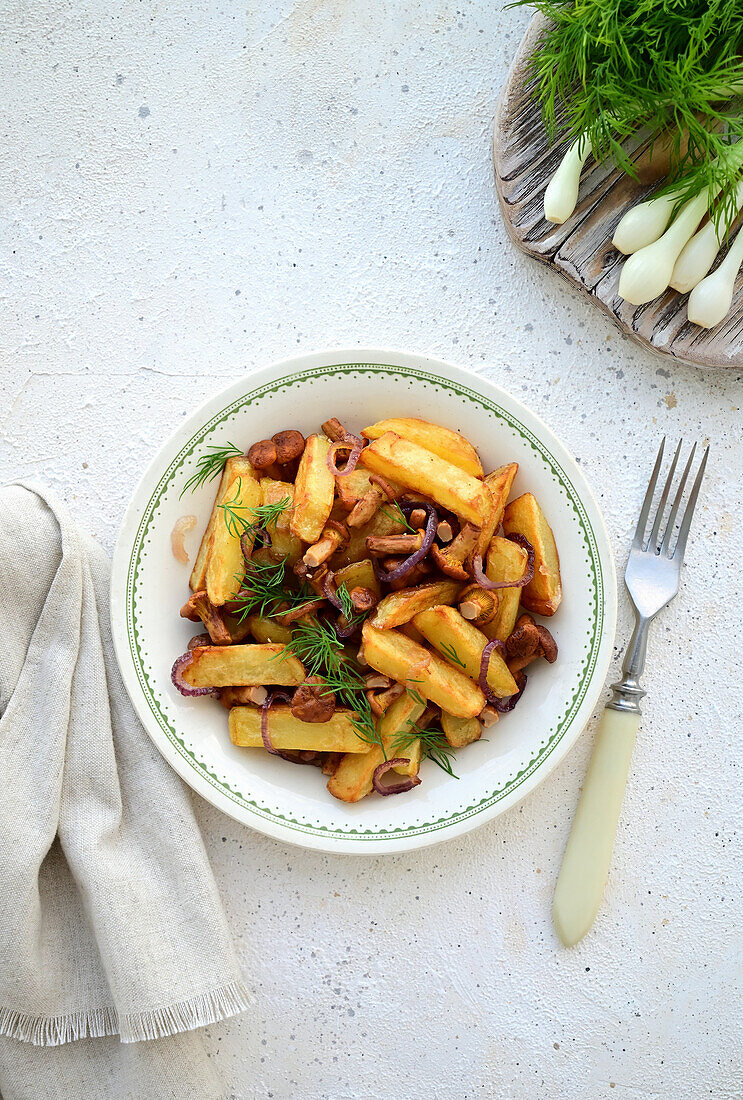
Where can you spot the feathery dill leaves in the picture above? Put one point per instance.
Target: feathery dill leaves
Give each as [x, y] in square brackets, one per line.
[260, 517]
[394, 512]
[210, 465]
[605, 68]
[452, 654]
[350, 614]
[434, 746]
[322, 653]
[265, 590]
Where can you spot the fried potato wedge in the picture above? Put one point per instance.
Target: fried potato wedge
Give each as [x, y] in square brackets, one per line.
[443, 442]
[359, 574]
[314, 491]
[523, 516]
[383, 522]
[505, 562]
[287, 732]
[352, 779]
[234, 467]
[224, 561]
[460, 731]
[462, 644]
[268, 631]
[394, 654]
[284, 545]
[499, 483]
[400, 607]
[243, 666]
[416, 468]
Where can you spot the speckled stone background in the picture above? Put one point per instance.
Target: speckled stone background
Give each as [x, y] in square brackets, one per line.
[190, 190]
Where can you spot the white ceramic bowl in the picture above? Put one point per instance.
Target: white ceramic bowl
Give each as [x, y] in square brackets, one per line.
[291, 803]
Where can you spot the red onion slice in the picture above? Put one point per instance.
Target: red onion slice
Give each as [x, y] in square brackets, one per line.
[503, 706]
[432, 522]
[285, 697]
[482, 677]
[352, 443]
[249, 539]
[329, 590]
[176, 675]
[400, 786]
[485, 582]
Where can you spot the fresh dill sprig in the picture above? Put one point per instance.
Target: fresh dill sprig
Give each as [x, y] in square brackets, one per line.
[608, 68]
[317, 645]
[349, 612]
[395, 513]
[264, 590]
[434, 746]
[263, 516]
[210, 465]
[452, 654]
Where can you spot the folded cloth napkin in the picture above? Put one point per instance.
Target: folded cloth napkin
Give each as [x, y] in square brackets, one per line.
[110, 921]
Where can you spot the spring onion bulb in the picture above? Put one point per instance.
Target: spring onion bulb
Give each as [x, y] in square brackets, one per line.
[710, 300]
[647, 272]
[644, 223]
[698, 254]
[561, 194]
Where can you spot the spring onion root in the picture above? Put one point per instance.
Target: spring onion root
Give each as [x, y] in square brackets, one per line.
[699, 253]
[710, 300]
[647, 273]
[561, 194]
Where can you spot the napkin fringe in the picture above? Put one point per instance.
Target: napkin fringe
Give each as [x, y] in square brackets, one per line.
[52, 1031]
[207, 1008]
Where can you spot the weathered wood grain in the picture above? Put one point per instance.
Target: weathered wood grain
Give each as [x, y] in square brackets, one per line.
[581, 249]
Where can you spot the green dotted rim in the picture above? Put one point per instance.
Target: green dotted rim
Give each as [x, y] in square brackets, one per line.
[378, 833]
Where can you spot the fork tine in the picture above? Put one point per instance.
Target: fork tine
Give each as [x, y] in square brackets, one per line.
[686, 521]
[677, 503]
[645, 510]
[652, 541]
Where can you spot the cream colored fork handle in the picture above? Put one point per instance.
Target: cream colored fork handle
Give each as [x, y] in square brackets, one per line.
[585, 865]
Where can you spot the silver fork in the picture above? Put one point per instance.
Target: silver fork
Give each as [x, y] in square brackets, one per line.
[652, 579]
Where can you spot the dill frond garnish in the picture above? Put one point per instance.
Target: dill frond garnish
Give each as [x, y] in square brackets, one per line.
[263, 516]
[394, 512]
[603, 69]
[210, 465]
[452, 654]
[434, 746]
[317, 645]
[265, 590]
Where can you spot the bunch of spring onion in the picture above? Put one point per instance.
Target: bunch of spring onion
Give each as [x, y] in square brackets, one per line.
[671, 72]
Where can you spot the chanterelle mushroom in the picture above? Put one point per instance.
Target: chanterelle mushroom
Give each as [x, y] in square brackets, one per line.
[312, 702]
[199, 606]
[528, 642]
[451, 559]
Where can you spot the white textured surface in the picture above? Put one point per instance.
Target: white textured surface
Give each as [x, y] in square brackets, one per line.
[189, 190]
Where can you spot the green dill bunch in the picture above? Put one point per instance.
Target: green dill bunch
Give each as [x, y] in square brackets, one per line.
[669, 68]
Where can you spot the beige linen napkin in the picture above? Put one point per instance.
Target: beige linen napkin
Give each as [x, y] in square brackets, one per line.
[110, 921]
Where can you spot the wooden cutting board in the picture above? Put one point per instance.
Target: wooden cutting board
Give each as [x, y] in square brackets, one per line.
[581, 249]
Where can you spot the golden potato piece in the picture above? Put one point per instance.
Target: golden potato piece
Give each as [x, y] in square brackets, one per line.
[462, 644]
[400, 607]
[393, 654]
[234, 467]
[314, 491]
[359, 574]
[225, 564]
[523, 516]
[460, 731]
[287, 732]
[243, 666]
[499, 483]
[284, 545]
[506, 561]
[440, 441]
[427, 473]
[352, 779]
[268, 631]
